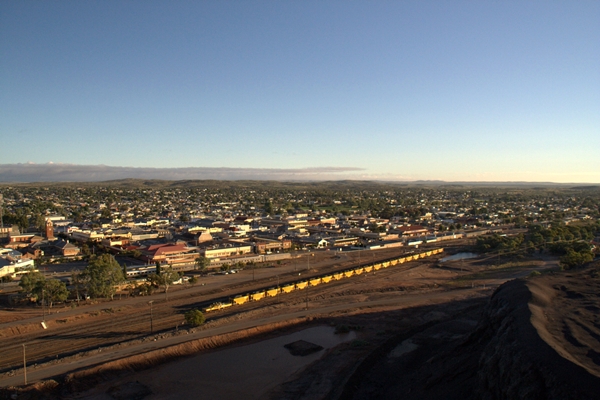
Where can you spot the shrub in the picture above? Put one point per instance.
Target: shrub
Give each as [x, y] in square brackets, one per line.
[194, 317]
[534, 273]
[574, 259]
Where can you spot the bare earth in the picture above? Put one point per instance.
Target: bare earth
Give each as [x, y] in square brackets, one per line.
[400, 314]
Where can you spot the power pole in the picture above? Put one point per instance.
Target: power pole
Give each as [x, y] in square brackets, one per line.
[307, 286]
[24, 364]
[373, 261]
[151, 327]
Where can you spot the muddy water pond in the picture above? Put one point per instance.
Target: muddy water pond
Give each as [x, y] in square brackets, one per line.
[459, 256]
[242, 372]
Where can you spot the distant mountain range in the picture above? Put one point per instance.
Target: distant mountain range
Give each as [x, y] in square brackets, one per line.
[54, 172]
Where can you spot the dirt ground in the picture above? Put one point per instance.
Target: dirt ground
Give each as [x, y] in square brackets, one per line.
[566, 313]
[537, 339]
[377, 306]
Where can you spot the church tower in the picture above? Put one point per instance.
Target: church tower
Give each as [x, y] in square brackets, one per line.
[49, 230]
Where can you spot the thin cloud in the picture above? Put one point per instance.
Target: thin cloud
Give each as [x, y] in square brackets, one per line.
[57, 172]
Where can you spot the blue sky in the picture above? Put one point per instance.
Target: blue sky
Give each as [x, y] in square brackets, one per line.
[399, 90]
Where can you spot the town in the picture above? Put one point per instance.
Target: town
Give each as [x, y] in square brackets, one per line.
[222, 226]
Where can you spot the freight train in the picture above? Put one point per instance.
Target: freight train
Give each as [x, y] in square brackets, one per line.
[305, 283]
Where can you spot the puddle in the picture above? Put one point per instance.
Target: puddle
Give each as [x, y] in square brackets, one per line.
[405, 347]
[247, 372]
[459, 256]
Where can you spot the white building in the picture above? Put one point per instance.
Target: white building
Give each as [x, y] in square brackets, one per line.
[11, 262]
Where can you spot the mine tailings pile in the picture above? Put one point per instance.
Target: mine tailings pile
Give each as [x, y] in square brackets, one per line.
[528, 352]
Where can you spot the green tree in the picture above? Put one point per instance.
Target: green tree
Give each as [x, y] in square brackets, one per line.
[77, 284]
[30, 282]
[269, 208]
[105, 214]
[54, 291]
[22, 222]
[166, 279]
[194, 317]
[102, 275]
[202, 263]
[145, 289]
[85, 250]
[193, 280]
[39, 222]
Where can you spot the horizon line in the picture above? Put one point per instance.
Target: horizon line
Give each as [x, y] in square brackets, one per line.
[52, 172]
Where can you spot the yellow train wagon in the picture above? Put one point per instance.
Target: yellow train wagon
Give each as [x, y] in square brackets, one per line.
[422, 255]
[326, 279]
[359, 270]
[272, 292]
[315, 281]
[429, 253]
[210, 308]
[368, 268]
[257, 296]
[217, 306]
[338, 275]
[301, 285]
[377, 266]
[238, 300]
[288, 288]
[349, 273]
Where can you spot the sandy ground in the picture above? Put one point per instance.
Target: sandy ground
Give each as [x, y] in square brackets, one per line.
[566, 313]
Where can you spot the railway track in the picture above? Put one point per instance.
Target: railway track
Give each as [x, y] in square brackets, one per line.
[131, 323]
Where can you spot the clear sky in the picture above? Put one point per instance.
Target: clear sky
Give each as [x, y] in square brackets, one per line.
[394, 90]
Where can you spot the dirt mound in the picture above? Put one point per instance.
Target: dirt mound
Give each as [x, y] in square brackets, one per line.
[542, 338]
[302, 348]
[536, 339]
